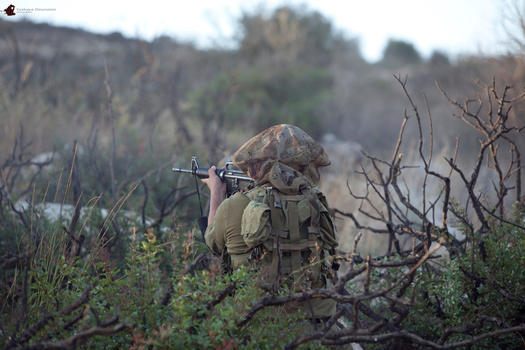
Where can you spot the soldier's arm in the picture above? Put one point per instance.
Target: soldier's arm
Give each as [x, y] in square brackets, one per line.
[217, 192]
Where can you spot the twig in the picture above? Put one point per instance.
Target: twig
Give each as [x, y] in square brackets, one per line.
[31, 332]
[200, 259]
[346, 336]
[354, 249]
[113, 141]
[78, 339]
[221, 296]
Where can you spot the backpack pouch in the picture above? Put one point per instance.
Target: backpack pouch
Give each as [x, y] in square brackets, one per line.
[256, 224]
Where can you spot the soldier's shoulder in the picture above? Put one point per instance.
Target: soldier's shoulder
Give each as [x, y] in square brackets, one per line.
[238, 198]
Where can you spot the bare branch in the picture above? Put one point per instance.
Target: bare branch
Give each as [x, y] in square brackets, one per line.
[78, 339]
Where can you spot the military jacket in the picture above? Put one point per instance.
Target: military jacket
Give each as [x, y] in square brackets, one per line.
[243, 226]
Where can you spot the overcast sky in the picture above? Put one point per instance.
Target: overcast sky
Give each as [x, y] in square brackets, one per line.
[451, 26]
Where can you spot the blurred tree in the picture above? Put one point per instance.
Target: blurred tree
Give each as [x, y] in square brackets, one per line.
[293, 35]
[513, 24]
[296, 96]
[400, 52]
[253, 100]
[294, 55]
[439, 58]
[323, 42]
[511, 66]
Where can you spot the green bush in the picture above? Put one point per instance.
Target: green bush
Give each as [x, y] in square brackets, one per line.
[156, 298]
[459, 296]
[473, 289]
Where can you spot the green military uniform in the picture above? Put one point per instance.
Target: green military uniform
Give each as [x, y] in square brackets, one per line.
[284, 219]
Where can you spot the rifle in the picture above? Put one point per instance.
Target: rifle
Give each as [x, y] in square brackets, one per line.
[234, 178]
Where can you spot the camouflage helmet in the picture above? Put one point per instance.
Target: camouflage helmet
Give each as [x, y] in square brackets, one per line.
[284, 156]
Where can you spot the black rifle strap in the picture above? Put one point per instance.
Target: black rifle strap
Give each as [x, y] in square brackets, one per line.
[203, 225]
[203, 221]
[198, 194]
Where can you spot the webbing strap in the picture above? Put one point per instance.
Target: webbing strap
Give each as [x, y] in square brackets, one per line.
[296, 247]
[275, 206]
[294, 197]
[313, 233]
[295, 239]
[279, 233]
[277, 229]
[315, 211]
[276, 269]
[276, 199]
[293, 222]
[315, 266]
[314, 230]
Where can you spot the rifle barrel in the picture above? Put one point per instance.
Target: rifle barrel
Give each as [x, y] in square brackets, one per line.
[201, 173]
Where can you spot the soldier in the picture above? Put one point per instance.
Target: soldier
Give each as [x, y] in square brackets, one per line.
[284, 222]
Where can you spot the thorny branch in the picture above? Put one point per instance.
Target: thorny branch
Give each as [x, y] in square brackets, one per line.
[11, 169]
[30, 332]
[347, 336]
[76, 340]
[394, 215]
[494, 131]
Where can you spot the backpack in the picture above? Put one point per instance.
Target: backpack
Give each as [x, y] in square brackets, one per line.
[293, 233]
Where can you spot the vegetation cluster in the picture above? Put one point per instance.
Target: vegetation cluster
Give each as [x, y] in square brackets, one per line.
[98, 246]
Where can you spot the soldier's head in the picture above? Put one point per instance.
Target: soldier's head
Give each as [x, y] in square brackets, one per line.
[284, 156]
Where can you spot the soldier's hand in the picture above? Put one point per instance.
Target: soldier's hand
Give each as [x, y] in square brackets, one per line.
[214, 183]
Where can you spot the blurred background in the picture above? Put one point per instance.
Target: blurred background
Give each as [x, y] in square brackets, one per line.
[138, 88]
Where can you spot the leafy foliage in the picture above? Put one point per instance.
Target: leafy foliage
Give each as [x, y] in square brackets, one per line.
[157, 298]
[473, 293]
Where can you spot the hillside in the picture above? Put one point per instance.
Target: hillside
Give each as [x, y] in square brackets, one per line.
[357, 101]
[170, 101]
